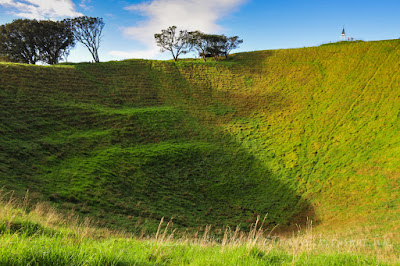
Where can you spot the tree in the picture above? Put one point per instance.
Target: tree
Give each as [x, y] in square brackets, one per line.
[214, 45]
[54, 41]
[18, 41]
[217, 43]
[168, 40]
[4, 54]
[230, 44]
[29, 41]
[87, 30]
[201, 42]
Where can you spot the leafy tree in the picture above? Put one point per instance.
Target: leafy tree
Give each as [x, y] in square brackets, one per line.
[217, 43]
[18, 41]
[88, 30]
[175, 43]
[214, 45]
[29, 41]
[4, 54]
[230, 44]
[55, 39]
[201, 42]
[4, 58]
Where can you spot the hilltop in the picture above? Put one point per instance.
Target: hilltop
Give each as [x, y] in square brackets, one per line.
[295, 133]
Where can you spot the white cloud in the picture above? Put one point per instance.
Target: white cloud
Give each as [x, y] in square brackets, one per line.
[41, 9]
[200, 15]
[85, 4]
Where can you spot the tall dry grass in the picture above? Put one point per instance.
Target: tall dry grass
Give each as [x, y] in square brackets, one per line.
[302, 242]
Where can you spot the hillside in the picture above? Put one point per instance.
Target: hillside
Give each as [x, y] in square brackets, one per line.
[296, 133]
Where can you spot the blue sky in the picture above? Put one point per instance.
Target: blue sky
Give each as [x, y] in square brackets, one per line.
[262, 24]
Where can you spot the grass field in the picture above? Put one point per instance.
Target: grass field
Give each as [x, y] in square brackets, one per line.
[298, 135]
[39, 235]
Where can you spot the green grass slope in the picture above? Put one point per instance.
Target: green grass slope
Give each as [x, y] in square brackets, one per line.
[108, 142]
[292, 133]
[325, 119]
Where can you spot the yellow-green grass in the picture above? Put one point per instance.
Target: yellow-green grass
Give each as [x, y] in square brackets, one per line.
[296, 133]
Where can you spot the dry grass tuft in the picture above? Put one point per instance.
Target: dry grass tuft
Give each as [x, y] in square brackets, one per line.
[302, 242]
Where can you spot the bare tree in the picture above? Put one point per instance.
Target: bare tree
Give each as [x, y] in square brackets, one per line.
[87, 30]
[168, 40]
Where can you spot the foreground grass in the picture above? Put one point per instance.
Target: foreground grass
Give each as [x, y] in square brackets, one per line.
[42, 250]
[41, 236]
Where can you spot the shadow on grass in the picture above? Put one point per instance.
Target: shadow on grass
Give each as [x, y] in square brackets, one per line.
[130, 169]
